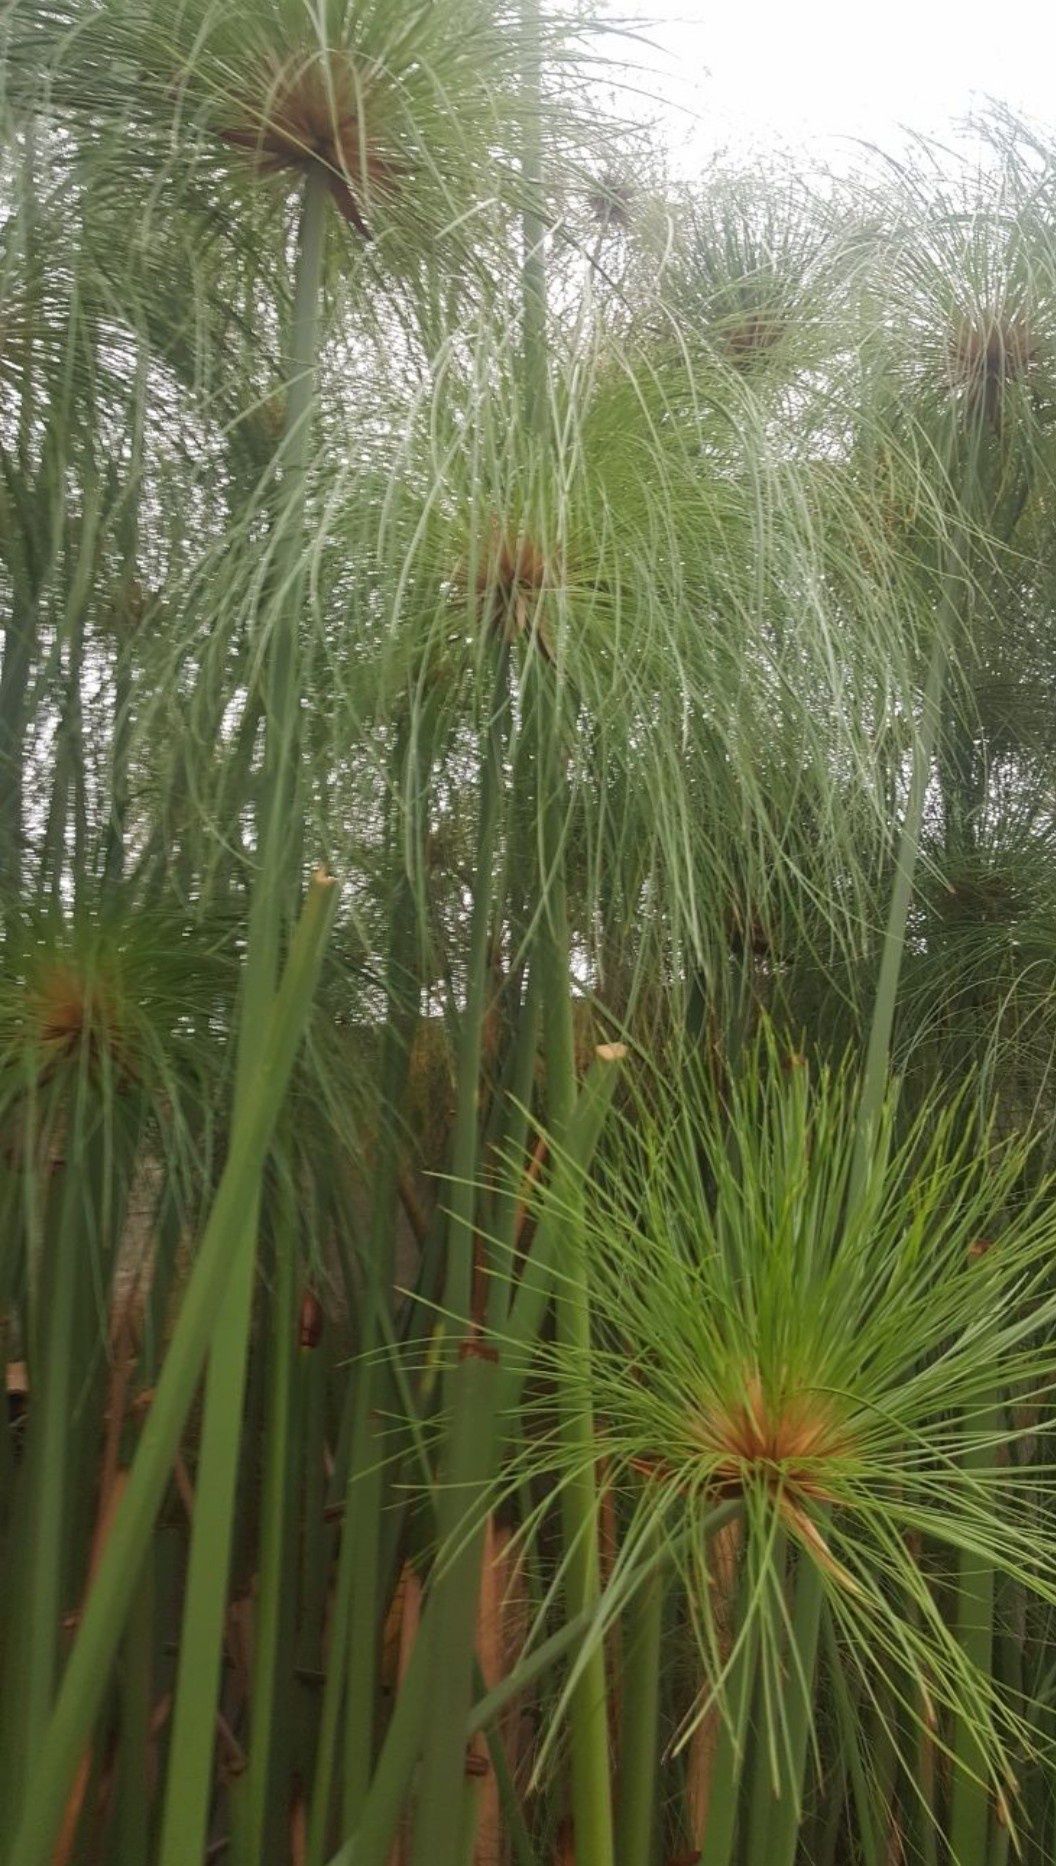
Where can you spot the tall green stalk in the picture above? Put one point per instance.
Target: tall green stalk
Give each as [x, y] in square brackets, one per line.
[270, 1689]
[878, 1051]
[129, 528]
[636, 1821]
[971, 1809]
[774, 1829]
[731, 1741]
[351, 1669]
[132, 1819]
[201, 1642]
[588, 1707]
[783, 1830]
[472, 1383]
[588, 1711]
[113, 1590]
[26, 564]
[369, 1844]
[66, 1244]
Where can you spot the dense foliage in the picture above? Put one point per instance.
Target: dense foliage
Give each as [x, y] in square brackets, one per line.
[528, 1003]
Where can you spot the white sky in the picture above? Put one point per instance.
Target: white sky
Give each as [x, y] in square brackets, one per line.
[755, 73]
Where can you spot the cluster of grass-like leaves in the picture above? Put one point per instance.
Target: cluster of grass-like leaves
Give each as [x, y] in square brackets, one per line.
[845, 1374]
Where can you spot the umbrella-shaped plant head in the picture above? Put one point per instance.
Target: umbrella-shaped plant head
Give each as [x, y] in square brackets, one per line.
[958, 290]
[102, 1016]
[684, 587]
[752, 273]
[108, 1092]
[963, 280]
[827, 1372]
[189, 139]
[398, 109]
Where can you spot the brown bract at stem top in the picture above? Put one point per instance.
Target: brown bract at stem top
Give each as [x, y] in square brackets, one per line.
[787, 1444]
[986, 354]
[69, 1011]
[512, 579]
[312, 115]
[785, 1439]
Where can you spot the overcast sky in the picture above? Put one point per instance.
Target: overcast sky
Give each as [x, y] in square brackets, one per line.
[756, 72]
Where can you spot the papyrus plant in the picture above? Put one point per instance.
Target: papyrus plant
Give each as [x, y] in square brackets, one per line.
[829, 1370]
